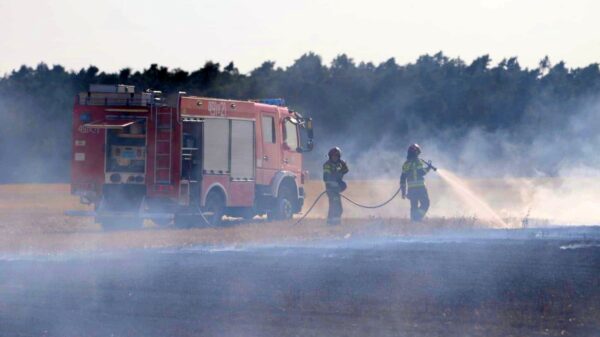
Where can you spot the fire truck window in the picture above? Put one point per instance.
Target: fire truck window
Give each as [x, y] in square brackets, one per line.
[291, 136]
[126, 149]
[268, 129]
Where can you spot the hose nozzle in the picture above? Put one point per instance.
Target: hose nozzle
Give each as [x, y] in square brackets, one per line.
[428, 163]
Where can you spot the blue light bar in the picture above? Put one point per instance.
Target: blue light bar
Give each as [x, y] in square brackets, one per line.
[272, 101]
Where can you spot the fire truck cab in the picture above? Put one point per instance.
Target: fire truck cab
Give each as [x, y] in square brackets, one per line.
[136, 157]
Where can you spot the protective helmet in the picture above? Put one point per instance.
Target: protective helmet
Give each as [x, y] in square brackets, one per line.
[414, 150]
[334, 151]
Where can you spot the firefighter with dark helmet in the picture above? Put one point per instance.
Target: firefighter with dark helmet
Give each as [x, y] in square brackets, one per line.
[334, 170]
[413, 177]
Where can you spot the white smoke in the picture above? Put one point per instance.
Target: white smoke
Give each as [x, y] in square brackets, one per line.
[542, 171]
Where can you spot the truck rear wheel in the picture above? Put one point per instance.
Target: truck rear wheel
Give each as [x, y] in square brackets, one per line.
[214, 208]
[284, 204]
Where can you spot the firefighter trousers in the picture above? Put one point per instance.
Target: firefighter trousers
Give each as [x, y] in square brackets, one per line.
[334, 215]
[419, 202]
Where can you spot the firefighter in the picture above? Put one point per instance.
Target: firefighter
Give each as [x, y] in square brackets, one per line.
[334, 170]
[413, 176]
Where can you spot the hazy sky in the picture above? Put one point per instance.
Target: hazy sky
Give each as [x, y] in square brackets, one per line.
[115, 34]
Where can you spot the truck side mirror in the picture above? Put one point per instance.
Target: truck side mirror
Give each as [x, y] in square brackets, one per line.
[305, 131]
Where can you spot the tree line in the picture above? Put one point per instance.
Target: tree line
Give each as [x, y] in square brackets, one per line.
[355, 104]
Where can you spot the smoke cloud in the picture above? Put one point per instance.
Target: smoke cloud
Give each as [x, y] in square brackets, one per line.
[544, 169]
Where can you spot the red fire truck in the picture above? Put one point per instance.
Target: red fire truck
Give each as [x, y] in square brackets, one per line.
[136, 156]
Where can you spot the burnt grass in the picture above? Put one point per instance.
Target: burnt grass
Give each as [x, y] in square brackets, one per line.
[63, 276]
[434, 286]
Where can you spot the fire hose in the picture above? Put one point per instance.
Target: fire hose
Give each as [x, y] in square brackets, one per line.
[350, 200]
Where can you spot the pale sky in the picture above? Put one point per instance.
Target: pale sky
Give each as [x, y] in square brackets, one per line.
[116, 34]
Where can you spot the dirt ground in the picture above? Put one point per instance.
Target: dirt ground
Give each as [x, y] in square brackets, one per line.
[32, 220]
[527, 285]
[483, 286]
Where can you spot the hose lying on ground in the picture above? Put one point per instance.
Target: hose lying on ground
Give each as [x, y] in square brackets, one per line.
[310, 208]
[351, 201]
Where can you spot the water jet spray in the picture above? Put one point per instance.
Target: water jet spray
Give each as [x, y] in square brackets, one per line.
[471, 199]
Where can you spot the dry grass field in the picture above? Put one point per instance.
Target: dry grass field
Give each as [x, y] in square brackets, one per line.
[32, 218]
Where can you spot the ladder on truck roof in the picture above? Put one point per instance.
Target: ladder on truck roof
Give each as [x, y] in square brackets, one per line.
[163, 145]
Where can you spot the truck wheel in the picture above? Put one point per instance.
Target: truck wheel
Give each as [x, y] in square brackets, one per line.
[215, 206]
[284, 205]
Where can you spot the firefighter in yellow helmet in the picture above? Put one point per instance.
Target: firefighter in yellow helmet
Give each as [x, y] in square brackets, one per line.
[334, 170]
[413, 177]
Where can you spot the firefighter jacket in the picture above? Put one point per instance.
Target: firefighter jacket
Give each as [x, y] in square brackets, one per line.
[413, 174]
[333, 175]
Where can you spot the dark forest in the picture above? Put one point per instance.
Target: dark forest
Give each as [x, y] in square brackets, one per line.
[439, 101]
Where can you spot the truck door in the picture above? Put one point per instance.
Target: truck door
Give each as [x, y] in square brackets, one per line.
[269, 160]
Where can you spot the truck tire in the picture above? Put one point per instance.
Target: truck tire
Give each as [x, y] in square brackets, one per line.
[284, 204]
[215, 204]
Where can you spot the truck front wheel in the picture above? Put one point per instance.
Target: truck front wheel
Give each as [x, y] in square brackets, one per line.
[284, 204]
